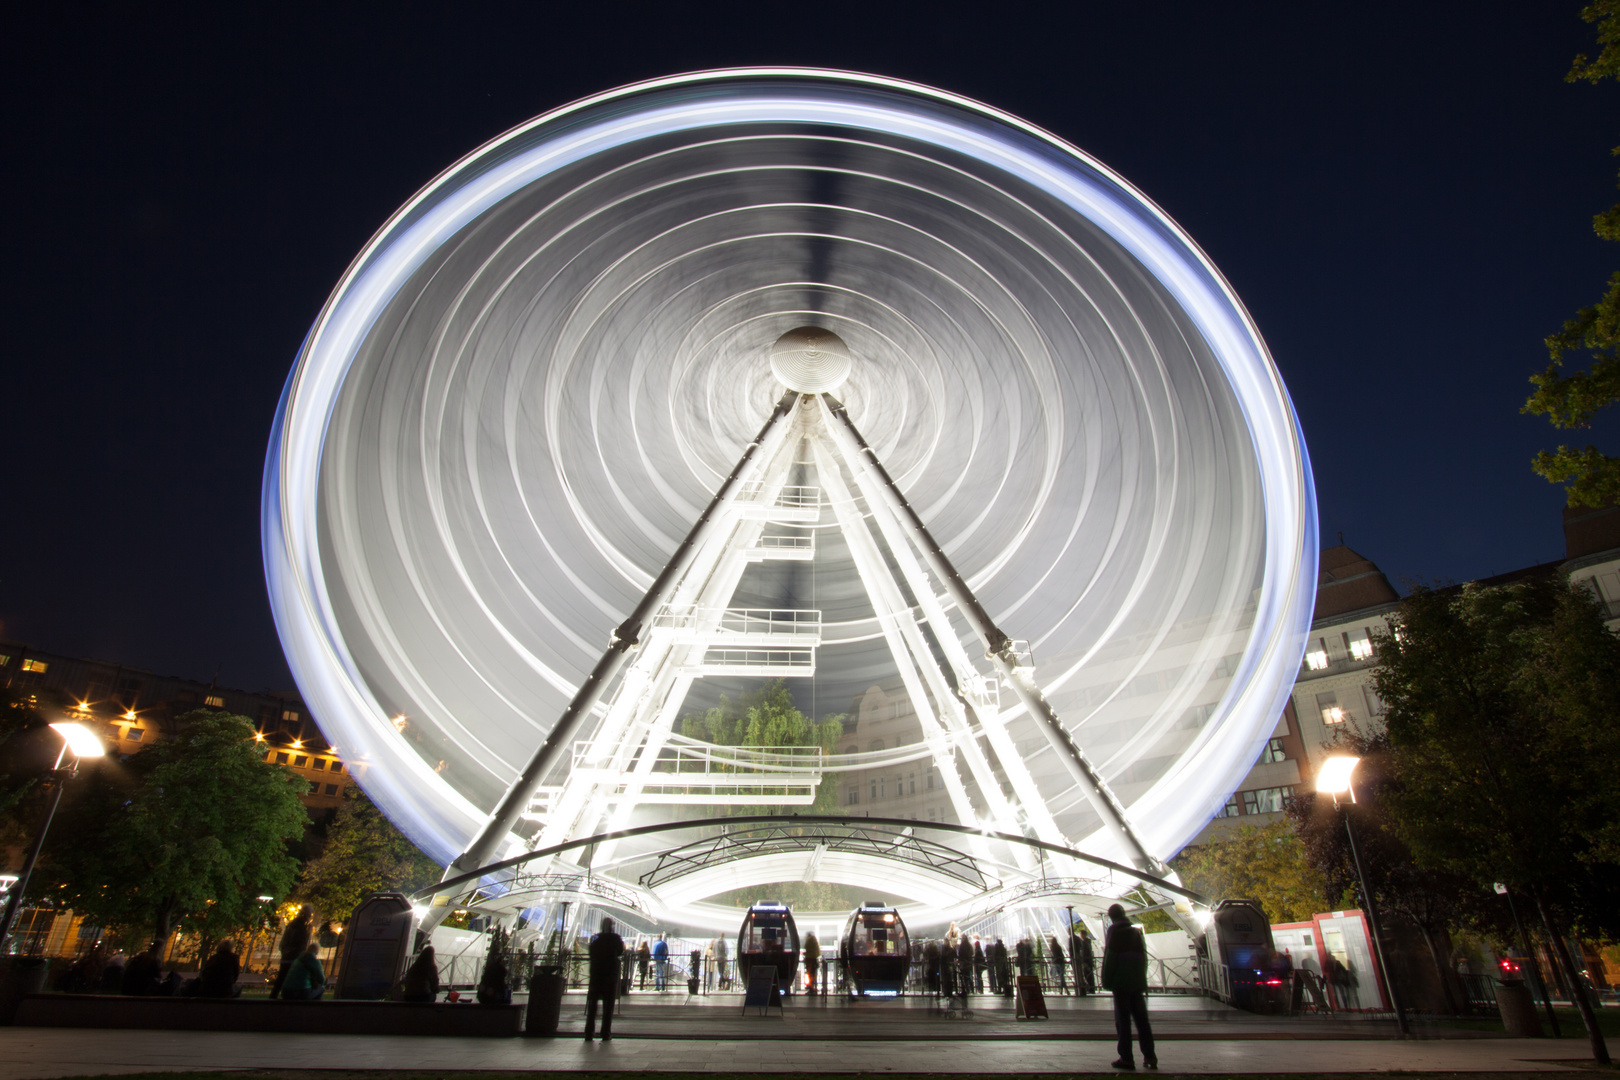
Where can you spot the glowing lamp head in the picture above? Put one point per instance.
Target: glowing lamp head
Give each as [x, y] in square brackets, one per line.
[1333, 778]
[80, 739]
[810, 360]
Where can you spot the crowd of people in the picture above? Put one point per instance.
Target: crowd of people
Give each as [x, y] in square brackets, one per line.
[960, 964]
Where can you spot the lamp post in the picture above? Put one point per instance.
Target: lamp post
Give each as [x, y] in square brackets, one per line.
[1334, 778]
[82, 743]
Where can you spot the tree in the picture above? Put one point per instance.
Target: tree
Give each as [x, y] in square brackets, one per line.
[1259, 862]
[194, 827]
[1503, 705]
[769, 718]
[1592, 478]
[19, 773]
[364, 854]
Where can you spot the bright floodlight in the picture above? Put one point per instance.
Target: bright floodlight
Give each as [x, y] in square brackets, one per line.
[1333, 778]
[80, 740]
[530, 383]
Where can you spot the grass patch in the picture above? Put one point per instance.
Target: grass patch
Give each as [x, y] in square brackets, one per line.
[1570, 1023]
[382, 1074]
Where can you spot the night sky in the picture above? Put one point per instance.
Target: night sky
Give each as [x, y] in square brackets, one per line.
[1401, 193]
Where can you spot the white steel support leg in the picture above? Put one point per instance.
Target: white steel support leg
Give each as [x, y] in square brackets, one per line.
[626, 639]
[892, 609]
[998, 648]
[645, 721]
[891, 613]
[1001, 744]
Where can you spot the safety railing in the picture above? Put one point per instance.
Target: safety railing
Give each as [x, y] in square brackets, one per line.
[719, 624]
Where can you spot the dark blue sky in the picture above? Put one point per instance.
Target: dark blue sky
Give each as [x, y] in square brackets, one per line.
[1401, 193]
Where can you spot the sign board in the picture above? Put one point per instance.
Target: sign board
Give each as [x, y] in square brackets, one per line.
[1030, 1002]
[763, 990]
[376, 944]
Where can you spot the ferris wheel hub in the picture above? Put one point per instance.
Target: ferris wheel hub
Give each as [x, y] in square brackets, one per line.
[810, 360]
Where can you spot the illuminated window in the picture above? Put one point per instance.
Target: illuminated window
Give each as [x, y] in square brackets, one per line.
[35, 666]
[215, 701]
[1316, 659]
[4, 659]
[290, 715]
[331, 789]
[1360, 648]
[135, 734]
[270, 758]
[1264, 800]
[1328, 705]
[1230, 809]
[1273, 752]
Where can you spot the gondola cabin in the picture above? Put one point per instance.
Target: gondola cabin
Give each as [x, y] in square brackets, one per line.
[875, 951]
[769, 938]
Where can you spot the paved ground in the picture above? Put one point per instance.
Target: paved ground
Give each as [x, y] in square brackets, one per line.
[29, 1053]
[1198, 1036]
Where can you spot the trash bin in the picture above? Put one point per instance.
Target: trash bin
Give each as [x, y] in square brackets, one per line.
[546, 989]
[21, 976]
[1518, 1009]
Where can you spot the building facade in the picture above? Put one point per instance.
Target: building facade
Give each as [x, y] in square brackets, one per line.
[131, 708]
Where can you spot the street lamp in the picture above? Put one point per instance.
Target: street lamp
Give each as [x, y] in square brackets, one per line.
[82, 743]
[1334, 778]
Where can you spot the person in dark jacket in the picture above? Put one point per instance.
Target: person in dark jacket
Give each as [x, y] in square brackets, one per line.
[1124, 971]
[931, 965]
[1085, 963]
[142, 974]
[660, 955]
[643, 962]
[605, 951]
[979, 964]
[964, 966]
[294, 940]
[218, 976]
[1059, 966]
[1003, 968]
[422, 977]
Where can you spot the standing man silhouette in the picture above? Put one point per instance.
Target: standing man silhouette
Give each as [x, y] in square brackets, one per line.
[1124, 971]
[604, 950]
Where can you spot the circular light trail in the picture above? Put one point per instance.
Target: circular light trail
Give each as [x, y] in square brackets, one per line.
[530, 381]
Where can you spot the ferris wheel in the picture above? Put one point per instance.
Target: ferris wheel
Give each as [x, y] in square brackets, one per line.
[798, 374]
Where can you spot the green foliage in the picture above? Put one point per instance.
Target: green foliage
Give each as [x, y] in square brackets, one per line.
[19, 716]
[1591, 477]
[1502, 727]
[768, 717]
[189, 831]
[364, 854]
[1259, 862]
